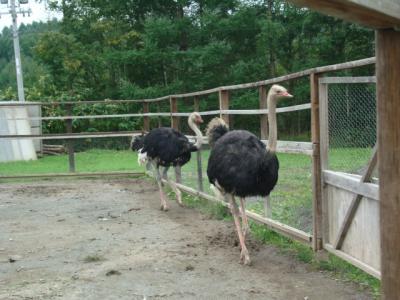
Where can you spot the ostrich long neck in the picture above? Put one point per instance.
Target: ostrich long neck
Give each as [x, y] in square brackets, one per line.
[197, 131]
[272, 135]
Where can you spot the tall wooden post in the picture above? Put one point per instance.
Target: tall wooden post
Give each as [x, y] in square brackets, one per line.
[324, 154]
[224, 105]
[175, 125]
[146, 120]
[174, 109]
[198, 153]
[388, 98]
[316, 164]
[262, 97]
[70, 143]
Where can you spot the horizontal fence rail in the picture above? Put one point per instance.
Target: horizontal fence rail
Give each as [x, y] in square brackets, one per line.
[62, 136]
[284, 229]
[78, 174]
[204, 113]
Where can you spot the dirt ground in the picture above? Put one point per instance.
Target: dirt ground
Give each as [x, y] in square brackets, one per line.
[107, 239]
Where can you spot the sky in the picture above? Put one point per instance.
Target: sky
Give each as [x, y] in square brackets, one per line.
[39, 13]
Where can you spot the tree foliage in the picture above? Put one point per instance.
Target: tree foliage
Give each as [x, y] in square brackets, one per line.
[147, 48]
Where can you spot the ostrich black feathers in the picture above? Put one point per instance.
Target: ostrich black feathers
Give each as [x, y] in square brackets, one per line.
[167, 146]
[241, 164]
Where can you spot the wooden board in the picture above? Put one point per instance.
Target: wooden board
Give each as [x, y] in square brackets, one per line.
[351, 183]
[371, 13]
[363, 237]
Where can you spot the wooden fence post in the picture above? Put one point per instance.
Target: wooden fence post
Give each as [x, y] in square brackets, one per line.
[324, 154]
[388, 103]
[224, 105]
[175, 125]
[198, 153]
[70, 143]
[174, 109]
[316, 163]
[146, 120]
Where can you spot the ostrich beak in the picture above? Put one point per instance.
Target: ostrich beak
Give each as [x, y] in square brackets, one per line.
[286, 94]
[199, 120]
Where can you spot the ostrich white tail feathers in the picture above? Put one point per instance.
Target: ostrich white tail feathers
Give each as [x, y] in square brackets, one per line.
[217, 193]
[142, 157]
[215, 129]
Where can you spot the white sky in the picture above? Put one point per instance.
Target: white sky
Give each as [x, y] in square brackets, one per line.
[39, 13]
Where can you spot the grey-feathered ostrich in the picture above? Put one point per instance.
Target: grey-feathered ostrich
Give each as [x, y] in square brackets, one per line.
[240, 164]
[167, 147]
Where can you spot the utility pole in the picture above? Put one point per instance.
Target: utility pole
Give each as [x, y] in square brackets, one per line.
[18, 66]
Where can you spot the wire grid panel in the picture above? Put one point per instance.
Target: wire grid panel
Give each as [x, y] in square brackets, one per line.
[352, 126]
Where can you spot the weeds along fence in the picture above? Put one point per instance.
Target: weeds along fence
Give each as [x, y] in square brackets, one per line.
[300, 205]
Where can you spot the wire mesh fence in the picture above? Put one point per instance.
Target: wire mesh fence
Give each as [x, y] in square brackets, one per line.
[352, 126]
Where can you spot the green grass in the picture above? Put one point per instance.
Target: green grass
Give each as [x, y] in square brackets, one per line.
[88, 161]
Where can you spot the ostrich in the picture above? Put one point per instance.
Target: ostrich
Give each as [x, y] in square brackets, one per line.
[165, 147]
[240, 164]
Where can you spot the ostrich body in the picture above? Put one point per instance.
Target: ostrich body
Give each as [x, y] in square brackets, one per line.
[165, 147]
[240, 164]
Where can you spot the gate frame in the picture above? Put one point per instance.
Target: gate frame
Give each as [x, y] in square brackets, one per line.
[323, 86]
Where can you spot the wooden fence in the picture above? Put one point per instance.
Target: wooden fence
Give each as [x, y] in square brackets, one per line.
[317, 239]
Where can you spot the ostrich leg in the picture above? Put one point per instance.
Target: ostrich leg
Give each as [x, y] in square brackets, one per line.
[173, 187]
[163, 198]
[245, 222]
[244, 254]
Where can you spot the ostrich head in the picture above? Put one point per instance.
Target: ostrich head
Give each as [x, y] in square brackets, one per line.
[194, 122]
[137, 142]
[279, 92]
[276, 92]
[195, 118]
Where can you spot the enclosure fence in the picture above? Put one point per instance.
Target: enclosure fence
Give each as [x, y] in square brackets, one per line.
[341, 128]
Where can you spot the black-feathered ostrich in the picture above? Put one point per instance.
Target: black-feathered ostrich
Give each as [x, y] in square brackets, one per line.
[167, 147]
[240, 164]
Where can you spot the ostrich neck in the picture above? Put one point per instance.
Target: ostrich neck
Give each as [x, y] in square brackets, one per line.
[197, 131]
[272, 135]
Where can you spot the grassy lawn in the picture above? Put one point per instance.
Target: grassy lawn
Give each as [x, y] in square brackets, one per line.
[88, 161]
[290, 201]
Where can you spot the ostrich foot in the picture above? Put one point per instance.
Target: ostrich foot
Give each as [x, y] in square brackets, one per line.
[164, 207]
[179, 197]
[245, 257]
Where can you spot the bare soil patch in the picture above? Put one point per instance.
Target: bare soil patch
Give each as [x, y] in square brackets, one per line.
[107, 239]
